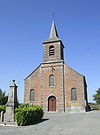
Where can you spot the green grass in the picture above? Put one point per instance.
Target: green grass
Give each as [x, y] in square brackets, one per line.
[96, 109]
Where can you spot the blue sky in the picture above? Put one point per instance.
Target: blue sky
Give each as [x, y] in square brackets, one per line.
[25, 24]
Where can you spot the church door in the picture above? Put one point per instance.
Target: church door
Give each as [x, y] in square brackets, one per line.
[52, 103]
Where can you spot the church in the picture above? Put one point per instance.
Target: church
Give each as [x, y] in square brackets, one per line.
[53, 84]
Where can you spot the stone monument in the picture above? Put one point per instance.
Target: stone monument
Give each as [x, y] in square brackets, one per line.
[12, 103]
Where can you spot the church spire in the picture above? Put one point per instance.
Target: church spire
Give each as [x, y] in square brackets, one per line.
[53, 31]
[53, 46]
[53, 34]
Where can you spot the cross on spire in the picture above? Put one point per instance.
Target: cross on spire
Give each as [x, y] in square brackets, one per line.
[53, 15]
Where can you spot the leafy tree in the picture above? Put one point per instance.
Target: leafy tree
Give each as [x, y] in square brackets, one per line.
[96, 96]
[0, 93]
[3, 97]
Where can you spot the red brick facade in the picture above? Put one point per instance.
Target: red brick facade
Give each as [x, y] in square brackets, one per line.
[59, 96]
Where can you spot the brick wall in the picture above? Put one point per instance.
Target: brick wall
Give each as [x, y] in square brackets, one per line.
[65, 79]
[32, 82]
[74, 80]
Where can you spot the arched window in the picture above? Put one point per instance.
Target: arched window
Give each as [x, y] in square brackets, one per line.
[32, 95]
[73, 94]
[51, 80]
[51, 50]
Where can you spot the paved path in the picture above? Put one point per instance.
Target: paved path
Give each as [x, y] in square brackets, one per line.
[60, 124]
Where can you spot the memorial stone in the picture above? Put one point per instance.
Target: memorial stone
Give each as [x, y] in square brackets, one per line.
[12, 103]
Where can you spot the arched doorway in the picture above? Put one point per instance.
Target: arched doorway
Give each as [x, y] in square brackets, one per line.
[51, 103]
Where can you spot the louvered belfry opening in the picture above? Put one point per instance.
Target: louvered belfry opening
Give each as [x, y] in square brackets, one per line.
[51, 50]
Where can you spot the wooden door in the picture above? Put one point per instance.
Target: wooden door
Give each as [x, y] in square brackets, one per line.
[52, 103]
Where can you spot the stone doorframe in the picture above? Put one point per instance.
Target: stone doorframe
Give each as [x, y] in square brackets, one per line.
[47, 102]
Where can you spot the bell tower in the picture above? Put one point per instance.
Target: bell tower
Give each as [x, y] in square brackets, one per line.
[53, 47]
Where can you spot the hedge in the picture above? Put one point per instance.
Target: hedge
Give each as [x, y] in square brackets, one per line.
[27, 114]
[2, 108]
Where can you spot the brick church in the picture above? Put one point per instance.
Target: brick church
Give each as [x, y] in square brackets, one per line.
[53, 84]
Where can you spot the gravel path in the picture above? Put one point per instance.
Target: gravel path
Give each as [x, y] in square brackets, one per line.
[60, 124]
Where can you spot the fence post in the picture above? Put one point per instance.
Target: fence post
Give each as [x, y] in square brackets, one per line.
[2, 116]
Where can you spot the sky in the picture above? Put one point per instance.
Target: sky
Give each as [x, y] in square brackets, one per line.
[25, 24]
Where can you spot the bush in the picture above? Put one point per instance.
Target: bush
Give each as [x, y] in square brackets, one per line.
[27, 114]
[3, 97]
[94, 106]
[96, 97]
[2, 108]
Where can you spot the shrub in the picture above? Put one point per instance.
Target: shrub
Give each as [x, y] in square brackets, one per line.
[27, 114]
[94, 106]
[2, 108]
[3, 97]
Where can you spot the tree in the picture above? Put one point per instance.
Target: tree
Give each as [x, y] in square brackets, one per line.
[3, 97]
[96, 96]
[0, 93]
